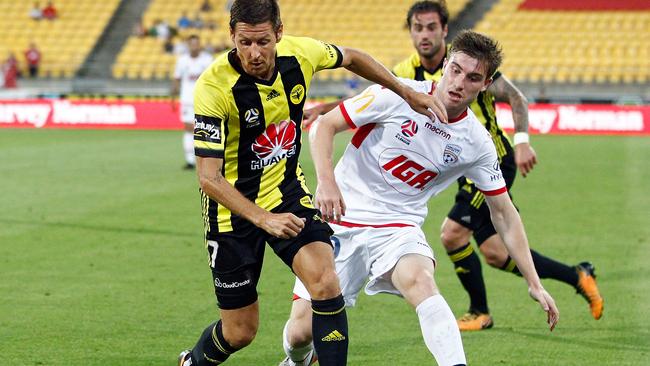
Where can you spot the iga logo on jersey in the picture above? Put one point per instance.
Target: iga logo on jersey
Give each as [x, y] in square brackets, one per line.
[409, 128]
[404, 173]
[276, 143]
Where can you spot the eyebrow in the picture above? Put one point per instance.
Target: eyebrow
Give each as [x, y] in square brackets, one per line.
[471, 74]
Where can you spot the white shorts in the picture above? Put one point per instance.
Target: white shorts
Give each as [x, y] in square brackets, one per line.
[367, 253]
[187, 113]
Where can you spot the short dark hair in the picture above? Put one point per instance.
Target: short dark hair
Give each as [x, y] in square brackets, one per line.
[479, 46]
[193, 36]
[255, 12]
[428, 6]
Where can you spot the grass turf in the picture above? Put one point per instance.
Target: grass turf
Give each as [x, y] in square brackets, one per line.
[102, 259]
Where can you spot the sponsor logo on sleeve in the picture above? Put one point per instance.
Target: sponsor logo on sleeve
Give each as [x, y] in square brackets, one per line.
[207, 129]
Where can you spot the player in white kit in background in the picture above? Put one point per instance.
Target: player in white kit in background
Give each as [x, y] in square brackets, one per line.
[377, 197]
[189, 67]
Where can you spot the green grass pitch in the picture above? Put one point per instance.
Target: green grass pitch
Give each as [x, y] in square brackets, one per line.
[102, 259]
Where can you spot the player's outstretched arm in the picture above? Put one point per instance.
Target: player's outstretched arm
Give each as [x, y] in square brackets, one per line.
[505, 91]
[508, 224]
[367, 67]
[310, 115]
[328, 198]
[282, 225]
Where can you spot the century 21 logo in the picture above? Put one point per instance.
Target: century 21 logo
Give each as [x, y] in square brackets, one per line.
[409, 172]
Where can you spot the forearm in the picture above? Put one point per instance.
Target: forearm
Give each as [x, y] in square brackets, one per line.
[519, 107]
[508, 224]
[221, 191]
[322, 146]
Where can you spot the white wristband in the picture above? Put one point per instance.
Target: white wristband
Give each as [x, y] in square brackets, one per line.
[521, 138]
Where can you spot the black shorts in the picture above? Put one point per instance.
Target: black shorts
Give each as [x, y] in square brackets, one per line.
[470, 208]
[236, 257]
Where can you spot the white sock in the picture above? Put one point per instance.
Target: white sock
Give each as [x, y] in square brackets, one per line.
[188, 147]
[440, 331]
[295, 354]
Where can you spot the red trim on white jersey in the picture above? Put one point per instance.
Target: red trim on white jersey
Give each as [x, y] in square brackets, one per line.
[347, 116]
[361, 134]
[460, 116]
[495, 192]
[296, 297]
[352, 224]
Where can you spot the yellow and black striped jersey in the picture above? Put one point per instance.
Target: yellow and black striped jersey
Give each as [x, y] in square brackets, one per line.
[254, 126]
[483, 107]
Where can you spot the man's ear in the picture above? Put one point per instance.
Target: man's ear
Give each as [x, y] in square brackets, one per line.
[278, 34]
[487, 84]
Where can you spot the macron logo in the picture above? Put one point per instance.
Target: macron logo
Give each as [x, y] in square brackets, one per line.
[438, 131]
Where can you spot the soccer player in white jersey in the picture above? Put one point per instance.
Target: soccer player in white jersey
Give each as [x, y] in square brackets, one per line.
[189, 67]
[377, 197]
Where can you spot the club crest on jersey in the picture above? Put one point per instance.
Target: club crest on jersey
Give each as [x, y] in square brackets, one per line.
[297, 94]
[252, 117]
[451, 154]
[276, 143]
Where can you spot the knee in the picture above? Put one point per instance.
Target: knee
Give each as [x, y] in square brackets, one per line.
[241, 336]
[325, 285]
[494, 258]
[299, 334]
[420, 282]
[453, 236]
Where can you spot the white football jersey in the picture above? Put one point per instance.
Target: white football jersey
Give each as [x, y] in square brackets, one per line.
[398, 158]
[188, 69]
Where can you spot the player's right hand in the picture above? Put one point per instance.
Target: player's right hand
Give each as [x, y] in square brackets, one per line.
[525, 158]
[428, 105]
[310, 115]
[282, 225]
[547, 303]
[329, 200]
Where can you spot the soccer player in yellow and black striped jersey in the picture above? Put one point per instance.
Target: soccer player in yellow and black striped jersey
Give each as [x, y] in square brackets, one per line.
[248, 107]
[427, 25]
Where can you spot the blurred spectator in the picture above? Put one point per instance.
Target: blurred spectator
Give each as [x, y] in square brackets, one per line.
[138, 29]
[49, 12]
[206, 6]
[35, 13]
[184, 21]
[168, 45]
[10, 71]
[181, 47]
[160, 29]
[33, 57]
[197, 22]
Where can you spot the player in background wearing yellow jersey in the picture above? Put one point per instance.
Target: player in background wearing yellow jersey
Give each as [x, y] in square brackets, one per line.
[427, 25]
[248, 109]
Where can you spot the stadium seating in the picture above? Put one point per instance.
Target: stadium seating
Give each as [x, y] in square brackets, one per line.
[64, 43]
[577, 46]
[377, 27]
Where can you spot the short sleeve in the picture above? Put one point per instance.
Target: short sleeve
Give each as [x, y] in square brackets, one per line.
[321, 55]
[372, 106]
[486, 171]
[209, 119]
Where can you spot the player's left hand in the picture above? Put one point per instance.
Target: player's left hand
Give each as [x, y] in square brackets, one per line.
[547, 303]
[428, 105]
[525, 158]
[329, 200]
[310, 115]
